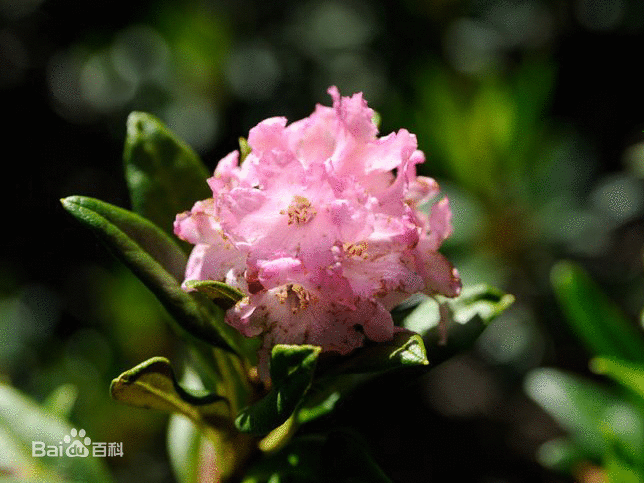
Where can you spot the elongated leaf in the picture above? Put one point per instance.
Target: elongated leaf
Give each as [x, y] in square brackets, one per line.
[152, 384]
[628, 374]
[593, 416]
[164, 175]
[23, 422]
[61, 401]
[223, 295]
[292, 369]
[151, 239]
[597, 321]
[122, 231]
[184, 445]
[189, 449]
[577, 405]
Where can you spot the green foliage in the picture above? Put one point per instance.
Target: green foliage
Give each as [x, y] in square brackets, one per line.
[237, 416]
[403, 350]
[129, 235]
[598, 322]
[628, 374]
[450, 325]
[605, 425]
[23, 421]
[486, 134]
[155, 159]
[292, 369]
[223, 295]
[153, 385]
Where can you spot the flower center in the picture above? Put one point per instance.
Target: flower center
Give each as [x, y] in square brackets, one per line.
[358, 249]
[298, 297]
[300, 211]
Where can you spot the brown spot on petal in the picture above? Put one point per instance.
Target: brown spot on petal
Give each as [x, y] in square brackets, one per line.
[255, 286]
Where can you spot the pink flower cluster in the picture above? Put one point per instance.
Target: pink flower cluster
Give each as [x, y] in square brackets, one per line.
[319, 232]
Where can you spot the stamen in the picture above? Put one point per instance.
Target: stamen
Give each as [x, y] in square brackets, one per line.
[300, 211]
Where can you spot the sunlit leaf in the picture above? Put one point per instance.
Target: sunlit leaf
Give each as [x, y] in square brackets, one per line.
[197, 456]
[222, 294]
[22, 422]
[60, 401]
[244, 149]
[480, 302]
[452, 325]
[153, 385]
[319, 407]
[187, 449]
[164, 175]
[199, 453]
[628, 374]
[600, 325]
[617, 470]
[126, 234]
[585, 409]
[292, 369]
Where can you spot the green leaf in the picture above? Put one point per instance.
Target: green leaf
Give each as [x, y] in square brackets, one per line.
[452, 325]
[480, 302]
[153, 385]
[187, 448]
[222, 294]
[593, 416]
[184, 446]
[576, 404]
[627, 374]
[448, 327]
[601, 326]
[617, 470]
[244, 149]
[292, 368]
[404, 350]
[60, 401]
[22, 422]
[337, 456]
[161, 247]
[336, 376]
[164, 175]
[200, 453]
[319, 406]
[127, 234]
[198, 456]
[560, 454]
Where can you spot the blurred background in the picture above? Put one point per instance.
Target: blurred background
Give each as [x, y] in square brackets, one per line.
[529, 112]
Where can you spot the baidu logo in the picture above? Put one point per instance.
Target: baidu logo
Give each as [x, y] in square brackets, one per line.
[76, 444]
[77, 447]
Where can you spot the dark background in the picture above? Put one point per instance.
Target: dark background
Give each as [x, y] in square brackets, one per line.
[70, 314]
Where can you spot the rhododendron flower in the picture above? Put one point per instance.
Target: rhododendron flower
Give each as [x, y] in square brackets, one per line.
[320, 226]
